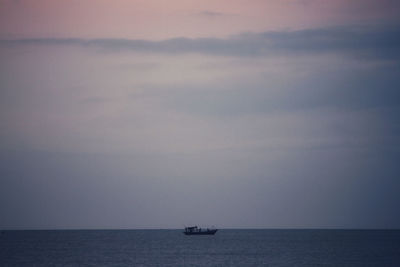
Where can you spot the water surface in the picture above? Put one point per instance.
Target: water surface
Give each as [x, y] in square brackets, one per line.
[226, 248]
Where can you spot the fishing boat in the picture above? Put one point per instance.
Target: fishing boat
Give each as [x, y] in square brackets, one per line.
[194, 230]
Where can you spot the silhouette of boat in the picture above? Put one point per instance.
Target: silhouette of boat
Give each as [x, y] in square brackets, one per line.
[194, 230]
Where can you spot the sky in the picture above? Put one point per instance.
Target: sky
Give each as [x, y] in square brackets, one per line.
[237, 114]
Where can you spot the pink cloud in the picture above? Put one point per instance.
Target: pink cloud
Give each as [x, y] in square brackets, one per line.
[165, 19]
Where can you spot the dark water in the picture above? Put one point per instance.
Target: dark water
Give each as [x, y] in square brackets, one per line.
[226, 248]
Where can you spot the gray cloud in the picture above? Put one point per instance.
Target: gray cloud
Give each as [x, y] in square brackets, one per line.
[211, 14]
[333, 86]
[365, 42]
[131, 140]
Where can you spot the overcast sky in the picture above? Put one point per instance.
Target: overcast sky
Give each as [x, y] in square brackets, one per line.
[238, 114]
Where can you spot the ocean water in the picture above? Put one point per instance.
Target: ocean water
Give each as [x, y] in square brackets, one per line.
[226, 248]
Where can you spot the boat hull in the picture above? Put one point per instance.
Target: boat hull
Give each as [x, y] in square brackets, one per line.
[208, 232]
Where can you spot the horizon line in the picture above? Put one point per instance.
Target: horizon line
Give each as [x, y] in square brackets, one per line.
[226, 228]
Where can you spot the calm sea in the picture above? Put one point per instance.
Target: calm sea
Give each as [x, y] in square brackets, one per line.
[226, 248]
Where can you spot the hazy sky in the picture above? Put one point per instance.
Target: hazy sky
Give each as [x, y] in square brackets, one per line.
[160, 114]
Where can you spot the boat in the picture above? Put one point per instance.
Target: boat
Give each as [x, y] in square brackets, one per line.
[194, 230]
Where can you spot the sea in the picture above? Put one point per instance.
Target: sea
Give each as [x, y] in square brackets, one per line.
[226, 248]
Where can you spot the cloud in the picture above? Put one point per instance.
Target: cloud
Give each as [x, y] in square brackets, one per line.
[356, 41]
[337, 89]
[210, 14]
[84, 133]
[214, 14]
